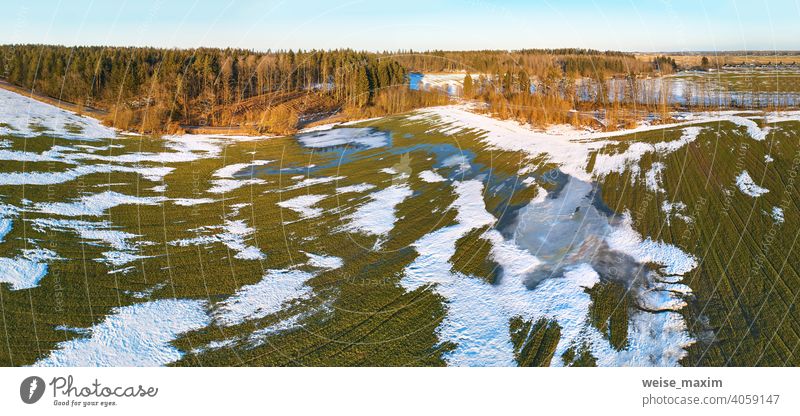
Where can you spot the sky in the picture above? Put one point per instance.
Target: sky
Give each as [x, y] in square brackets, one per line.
[644, 26]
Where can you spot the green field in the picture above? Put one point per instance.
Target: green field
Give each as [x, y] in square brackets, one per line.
[351, 307]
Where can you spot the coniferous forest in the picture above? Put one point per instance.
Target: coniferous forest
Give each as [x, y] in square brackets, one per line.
[167, 90]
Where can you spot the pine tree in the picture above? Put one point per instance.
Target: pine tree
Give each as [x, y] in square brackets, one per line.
[524, 82]
[362, 87]
[507, 83]
[469, 88]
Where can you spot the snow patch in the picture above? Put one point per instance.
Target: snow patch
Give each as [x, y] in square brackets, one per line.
[757, 133]
[232, 236]
[154, 174]
[222, 186]
[324, 262]
[653, 177]
[314, 181]
[18, 113]
[358, 188]
[25, 271]
[97, 232]
[430, 176]
[304, 205]
[777, 215]
[133, 336]
[230, 170]
[748, 187]
[95, 205]
[629, 159]
[377, 217]
[264, 298]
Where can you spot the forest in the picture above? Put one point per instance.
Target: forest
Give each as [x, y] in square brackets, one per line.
[168, 90]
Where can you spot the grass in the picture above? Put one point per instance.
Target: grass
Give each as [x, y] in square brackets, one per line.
[473, 256]
[609, 311]
[579, 356]
[742, 312]
[744, 290]
[534, 343]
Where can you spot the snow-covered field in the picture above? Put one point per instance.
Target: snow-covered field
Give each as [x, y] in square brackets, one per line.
[26, 117]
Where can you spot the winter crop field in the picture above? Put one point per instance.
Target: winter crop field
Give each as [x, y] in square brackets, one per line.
[430, 238]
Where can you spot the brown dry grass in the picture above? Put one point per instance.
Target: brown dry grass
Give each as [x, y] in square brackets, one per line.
[721, 59]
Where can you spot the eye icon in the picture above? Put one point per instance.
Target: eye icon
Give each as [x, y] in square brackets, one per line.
[31, 389]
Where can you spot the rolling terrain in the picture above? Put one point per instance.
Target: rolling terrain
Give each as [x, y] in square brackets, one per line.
[434, 237]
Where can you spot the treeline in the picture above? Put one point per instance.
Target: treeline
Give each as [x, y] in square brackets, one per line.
[572, 63]
[151, 88]
[609, 104]
[667, 65]
[164, 90]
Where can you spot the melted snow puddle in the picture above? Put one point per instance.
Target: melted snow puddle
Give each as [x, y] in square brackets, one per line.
[366, 137]
[133, 336]
[561, 245]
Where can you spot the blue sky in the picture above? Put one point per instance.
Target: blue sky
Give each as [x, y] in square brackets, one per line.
[649, 25]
